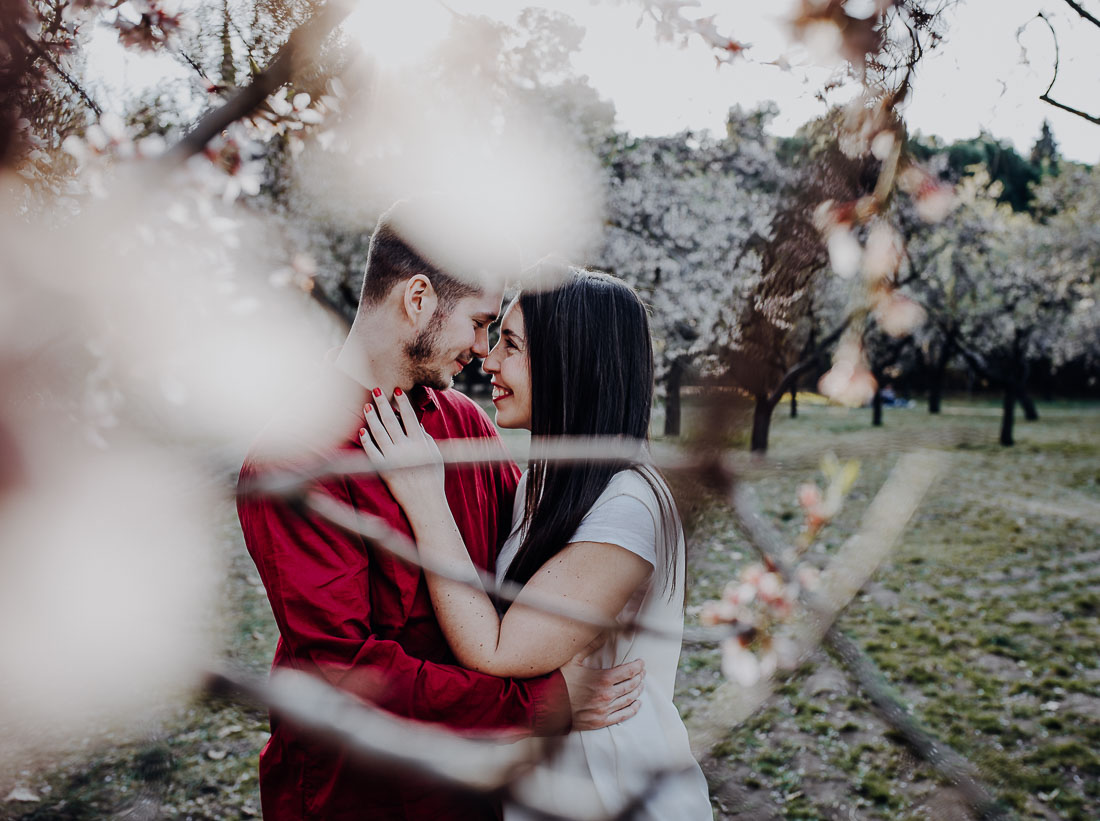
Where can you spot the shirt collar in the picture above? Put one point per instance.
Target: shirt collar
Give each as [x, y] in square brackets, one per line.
[423, 398]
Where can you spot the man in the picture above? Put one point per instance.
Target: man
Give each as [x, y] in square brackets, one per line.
[360, 618]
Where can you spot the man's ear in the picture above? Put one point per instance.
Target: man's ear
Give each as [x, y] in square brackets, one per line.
[420, 300]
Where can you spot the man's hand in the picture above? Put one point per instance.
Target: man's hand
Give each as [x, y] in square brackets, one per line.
[600, 698]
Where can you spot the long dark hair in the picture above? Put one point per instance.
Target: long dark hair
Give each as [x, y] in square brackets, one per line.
[591, 360]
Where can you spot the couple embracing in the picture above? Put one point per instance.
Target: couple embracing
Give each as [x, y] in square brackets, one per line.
[601, 539]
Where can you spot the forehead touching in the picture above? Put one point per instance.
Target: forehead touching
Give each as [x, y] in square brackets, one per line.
[483, 306]
[512, 323]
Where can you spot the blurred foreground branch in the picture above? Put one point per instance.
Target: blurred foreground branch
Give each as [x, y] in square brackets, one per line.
[846, 574]
[383, 740]
[376, 531]
[481, 763]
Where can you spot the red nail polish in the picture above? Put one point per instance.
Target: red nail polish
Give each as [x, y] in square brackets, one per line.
[397, 391]
[377, 391]
[368, 408]
[362, 431]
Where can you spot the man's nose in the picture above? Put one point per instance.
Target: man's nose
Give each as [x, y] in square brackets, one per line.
[481, 342]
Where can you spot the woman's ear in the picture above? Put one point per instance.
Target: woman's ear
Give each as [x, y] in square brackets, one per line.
[420, 300]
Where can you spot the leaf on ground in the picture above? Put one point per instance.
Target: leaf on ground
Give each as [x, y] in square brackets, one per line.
[22, 794]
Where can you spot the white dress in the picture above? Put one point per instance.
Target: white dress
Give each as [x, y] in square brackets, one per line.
[597, 772]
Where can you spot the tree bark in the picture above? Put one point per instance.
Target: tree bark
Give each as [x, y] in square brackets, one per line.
[876, 409]
[1009, 417]
[228, 68]
[794, 404]
[761, 423]
[939, 369]
[1031, 413]
[935, 395]
[673, 385]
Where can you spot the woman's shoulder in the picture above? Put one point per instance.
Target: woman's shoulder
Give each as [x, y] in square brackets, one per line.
[629, 513]
[641, 483]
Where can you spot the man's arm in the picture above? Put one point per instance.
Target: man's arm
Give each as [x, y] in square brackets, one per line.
[317, 580]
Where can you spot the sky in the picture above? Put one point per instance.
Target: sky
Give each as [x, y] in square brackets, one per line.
[995, 61]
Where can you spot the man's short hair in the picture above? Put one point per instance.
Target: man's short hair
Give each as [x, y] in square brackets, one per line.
[390, 259]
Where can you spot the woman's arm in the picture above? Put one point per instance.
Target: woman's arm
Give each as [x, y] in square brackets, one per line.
[590, 578]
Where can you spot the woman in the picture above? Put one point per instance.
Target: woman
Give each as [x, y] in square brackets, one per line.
[599, 539]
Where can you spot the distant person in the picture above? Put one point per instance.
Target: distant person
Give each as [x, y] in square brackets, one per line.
[600, 539]
[360, 618]
[891, 399]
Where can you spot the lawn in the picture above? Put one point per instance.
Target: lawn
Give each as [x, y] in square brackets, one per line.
[984, 619]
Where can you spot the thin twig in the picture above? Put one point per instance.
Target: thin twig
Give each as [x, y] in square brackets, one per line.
[1046, 99]
[44, 54]
[1045, 96]
[303, 41]
[1077, 8]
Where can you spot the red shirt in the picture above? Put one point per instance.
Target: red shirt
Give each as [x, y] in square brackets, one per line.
[363, 620]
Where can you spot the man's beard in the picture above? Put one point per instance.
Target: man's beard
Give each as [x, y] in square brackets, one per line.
[422, 351]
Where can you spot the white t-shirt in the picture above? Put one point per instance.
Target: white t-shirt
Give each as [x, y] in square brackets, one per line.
[597, 772]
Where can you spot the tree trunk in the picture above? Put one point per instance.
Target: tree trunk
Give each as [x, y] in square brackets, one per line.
[1031, 413]
[876, 409]
[673, 384]
[1008, 418]
[935, 388]
[794, 404]
[761, 423]
[228, 69]
[935, 395]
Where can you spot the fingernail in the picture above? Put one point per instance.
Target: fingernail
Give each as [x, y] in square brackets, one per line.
[362, 432]
[377, 391]
[397, 391]
[368, 408]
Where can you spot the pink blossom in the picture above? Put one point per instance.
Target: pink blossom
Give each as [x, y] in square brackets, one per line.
[848, 382]
[935, 202]
[809, 495]
[807, 577]
[739, 664]
[898, 315]
[883, 252]
[845, 252]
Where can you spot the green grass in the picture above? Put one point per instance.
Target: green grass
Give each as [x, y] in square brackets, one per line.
[985, 623]
[983, 618]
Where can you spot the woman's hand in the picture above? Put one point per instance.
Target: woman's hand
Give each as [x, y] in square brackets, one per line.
[391, 443]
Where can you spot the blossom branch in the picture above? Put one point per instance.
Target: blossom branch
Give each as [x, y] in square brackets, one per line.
[45, 56]
[303, 40]
[894, 505]
[883, 524]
